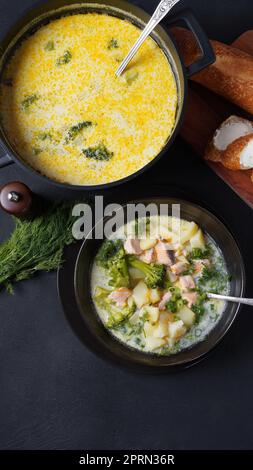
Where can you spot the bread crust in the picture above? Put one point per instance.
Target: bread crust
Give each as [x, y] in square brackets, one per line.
[231, 76]
[231, 157]
[212, 153]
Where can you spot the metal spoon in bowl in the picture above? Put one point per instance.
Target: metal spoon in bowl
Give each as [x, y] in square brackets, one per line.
[162, 10]
[237, 300]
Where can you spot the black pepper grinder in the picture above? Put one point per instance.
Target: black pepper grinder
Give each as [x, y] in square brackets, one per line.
[18, 200]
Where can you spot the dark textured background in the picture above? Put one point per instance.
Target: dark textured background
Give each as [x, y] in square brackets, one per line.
[54, 394]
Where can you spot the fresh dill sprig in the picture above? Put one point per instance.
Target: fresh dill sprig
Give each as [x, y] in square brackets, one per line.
[36, 245]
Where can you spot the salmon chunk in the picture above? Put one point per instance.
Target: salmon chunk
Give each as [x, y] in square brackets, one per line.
[200, 264]
[163, 254]
[165, 299]
[179, 267]
[132, 246]
[190, 297]
[171, 276]
[148, 256]
[187, 283]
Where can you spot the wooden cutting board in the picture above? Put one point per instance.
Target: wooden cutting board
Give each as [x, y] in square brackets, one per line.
[205, 112]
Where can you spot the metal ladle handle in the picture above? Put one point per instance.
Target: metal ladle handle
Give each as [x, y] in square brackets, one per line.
[161, 11]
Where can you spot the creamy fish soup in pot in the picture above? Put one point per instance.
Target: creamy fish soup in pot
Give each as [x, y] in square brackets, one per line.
[66, 113]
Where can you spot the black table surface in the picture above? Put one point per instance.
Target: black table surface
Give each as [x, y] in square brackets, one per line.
[55, 394]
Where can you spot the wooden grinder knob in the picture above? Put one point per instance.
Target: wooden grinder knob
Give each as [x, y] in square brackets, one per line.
[16, 199]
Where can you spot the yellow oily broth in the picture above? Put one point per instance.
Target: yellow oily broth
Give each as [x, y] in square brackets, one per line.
[132, 116]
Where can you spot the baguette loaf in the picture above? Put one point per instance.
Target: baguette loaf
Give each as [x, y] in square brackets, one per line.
[231, 76]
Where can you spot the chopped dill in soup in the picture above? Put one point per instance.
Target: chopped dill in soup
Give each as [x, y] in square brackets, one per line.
[150, 293]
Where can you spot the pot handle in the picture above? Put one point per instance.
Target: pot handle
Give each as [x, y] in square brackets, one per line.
[5, 158]
[208, 56]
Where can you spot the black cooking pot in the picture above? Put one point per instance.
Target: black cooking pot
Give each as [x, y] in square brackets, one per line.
[57, 8]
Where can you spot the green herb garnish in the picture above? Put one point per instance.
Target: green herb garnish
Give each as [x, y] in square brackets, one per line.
[111, 257]
[214, 317]
[131, 77]
[154, 273]
[36, 245]
[100, 153]
[199, 307]
[49, 46]
[197, 253]
[36, 151]
[108, 250]
[113, 44]
[76, 129]
[116, 316]
[139, 343]
[176, 302]
[214, 279]
[64, 59]
[28, 101]
[189, 271]
[199, 310]
[45, 136]
[167, 284]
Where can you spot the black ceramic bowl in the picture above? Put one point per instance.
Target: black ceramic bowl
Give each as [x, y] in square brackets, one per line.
[107, 346]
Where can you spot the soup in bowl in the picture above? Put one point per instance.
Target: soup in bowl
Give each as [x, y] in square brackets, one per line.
[150, 291]
[144, 303]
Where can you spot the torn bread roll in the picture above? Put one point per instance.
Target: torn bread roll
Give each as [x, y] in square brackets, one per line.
[231, 76]
[232, 144]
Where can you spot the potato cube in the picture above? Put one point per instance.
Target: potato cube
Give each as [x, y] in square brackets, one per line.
[176, 329]
[149, 329]
[153, 313]
[187, 316]
[171, 342]
[165, 233]
[165, 317]
[198, 241]
[171, 317]
[187, 225]
[182, 258]
[136, 274]
[130, 301]
[188, 230]
[161, 330]
[134, 318]
[155, 296]
[154, 343]
[141, 294]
